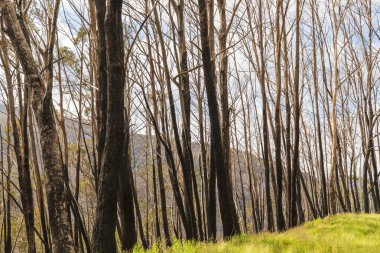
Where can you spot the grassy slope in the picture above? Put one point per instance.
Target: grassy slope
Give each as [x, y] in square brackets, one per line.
[341, 233]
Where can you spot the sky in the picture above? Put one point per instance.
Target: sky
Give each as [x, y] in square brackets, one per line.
[69, 14]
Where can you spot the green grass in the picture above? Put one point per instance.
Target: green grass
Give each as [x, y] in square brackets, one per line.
[340, 233]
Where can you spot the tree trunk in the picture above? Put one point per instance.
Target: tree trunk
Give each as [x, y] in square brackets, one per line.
[105, 221]
[277, 135]
[295, 162]
[43, 109]
[226, 201]
[21, 157]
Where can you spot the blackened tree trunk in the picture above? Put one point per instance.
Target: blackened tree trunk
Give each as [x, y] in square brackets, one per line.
[185, 100]
[295, 162]
[101, 79]
[334, 127]
[224, 183]
[265, 126]
[223, 84]
[103, 239]
[155, 198]
[277, 118]
[125, 195]
[211, 196]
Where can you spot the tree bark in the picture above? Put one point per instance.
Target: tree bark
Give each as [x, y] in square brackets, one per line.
[103, 238]
[25, 183]
[226, 201]
[43, 109]
[277, 135]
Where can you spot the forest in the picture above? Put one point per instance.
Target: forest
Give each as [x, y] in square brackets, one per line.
[139, 123]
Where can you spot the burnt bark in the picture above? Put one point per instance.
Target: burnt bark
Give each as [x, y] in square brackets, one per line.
[224, 183]
[103, 238]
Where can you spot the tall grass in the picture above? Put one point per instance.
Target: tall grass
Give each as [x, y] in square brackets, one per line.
[341, 233]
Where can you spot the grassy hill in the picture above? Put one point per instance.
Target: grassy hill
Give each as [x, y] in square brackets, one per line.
[340, 233]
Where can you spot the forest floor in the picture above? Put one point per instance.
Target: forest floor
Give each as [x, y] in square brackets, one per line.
[340, 233]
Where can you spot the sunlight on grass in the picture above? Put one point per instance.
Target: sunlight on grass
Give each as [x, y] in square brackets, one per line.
[340, 233]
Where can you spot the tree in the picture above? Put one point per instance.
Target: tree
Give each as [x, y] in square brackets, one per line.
[226, 202]
[42, 106]
[103, 238]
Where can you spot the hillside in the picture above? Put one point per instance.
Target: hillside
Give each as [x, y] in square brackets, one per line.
[340, 233]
